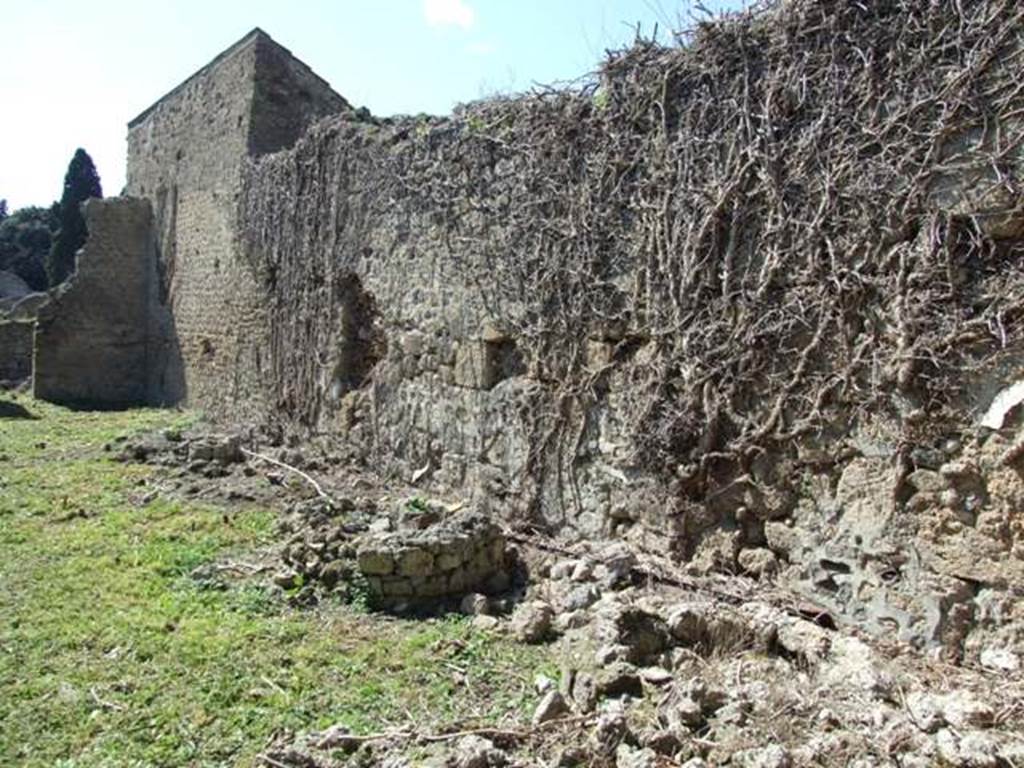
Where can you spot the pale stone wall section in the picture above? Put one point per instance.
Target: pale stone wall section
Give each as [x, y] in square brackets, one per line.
[92, 341]
[15, 351]
[186, 154]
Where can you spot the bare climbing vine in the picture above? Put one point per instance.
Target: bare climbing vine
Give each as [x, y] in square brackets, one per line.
[758, 222]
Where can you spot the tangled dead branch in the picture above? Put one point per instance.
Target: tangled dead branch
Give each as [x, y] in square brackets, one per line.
[763, 223]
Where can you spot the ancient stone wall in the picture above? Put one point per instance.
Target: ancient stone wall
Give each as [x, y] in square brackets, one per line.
[92, 340]
[15, 350]
[727, 299]
[185, 155]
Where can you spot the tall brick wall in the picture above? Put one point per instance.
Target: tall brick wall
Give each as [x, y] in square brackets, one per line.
[92, 340]
[185, 154]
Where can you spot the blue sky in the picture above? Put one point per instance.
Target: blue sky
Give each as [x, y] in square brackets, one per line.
[74, 73]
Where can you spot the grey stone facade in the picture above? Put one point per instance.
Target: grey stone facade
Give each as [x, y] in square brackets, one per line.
[95, 338]
[15, 350]
[185, 155]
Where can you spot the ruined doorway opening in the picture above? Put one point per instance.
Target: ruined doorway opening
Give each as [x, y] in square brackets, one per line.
[361, 343]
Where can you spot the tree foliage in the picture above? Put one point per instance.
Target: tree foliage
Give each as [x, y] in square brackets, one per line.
[80, 183]
[26, 236]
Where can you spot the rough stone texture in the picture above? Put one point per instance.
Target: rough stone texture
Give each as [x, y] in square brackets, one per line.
[186, 154]
[92, 340]
[360, 278]
[15, 350]
[465, 553]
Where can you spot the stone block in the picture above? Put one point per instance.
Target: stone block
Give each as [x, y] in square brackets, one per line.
[472, 369]
[447, 561]
[396, 587]
[375, 562]
[414, 562]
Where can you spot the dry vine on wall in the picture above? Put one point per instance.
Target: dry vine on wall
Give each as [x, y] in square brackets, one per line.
[752, 218]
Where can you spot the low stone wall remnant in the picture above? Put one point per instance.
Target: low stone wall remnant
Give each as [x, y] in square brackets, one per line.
[466, 553]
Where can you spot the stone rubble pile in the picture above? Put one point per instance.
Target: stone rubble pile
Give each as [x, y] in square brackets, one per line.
[654, 676]
[695, 670]
[419, 556]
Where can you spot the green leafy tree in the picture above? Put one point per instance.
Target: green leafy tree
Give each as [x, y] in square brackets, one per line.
[80, 183]
[26, 237]
[3, 210]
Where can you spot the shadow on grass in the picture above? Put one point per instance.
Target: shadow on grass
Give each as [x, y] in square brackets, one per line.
[9, 410]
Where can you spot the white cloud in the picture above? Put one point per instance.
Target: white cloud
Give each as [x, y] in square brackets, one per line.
[449, 13]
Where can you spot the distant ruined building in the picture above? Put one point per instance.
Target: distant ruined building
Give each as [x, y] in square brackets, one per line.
[750, 300]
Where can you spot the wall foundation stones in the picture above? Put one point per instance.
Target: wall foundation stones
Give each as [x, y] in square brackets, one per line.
[462, 554]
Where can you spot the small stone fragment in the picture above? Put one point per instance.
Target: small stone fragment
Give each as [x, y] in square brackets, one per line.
[484, 623]
[610, 731]
[631, 757]
[687, 713]
[531, 622]
[563, 622]
[656, 675]
[543, 683]
[615, 565]
[971, 750]
[618, 679]
[1000, 659]
[551, 707]
[773, 756]
[758, 562]
[664, 741]
[584, 692]
[606, 654]
[563, 569]
[582, 572]
[962, 710]
[332, 573]
[477, 752]
[286, 578]
[475, 604]
[579, 599]
[927, 481]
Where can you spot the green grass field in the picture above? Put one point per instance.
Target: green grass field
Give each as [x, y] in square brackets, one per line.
[112, 654]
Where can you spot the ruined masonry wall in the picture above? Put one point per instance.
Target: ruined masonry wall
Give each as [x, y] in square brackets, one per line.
[92, 339]
[185, 155]
[639, 309]
[577, 333]
[15, 350]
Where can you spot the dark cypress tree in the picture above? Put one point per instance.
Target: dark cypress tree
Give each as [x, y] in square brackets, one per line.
[80, 183]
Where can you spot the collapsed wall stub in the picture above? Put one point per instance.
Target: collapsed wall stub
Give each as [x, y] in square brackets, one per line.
[445, 558]
[94, 338]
